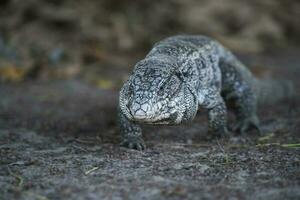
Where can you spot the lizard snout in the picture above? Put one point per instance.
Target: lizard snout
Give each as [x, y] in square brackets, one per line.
[140, 112]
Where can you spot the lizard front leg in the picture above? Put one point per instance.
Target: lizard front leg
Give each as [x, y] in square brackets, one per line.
[131, 133]
[211, 100]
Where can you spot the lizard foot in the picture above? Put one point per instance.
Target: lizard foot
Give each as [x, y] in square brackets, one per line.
[246, 124]
[134, 143]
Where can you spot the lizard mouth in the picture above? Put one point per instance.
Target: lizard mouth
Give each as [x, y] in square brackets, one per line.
[156, 122]
[161, 119]
[148, 119]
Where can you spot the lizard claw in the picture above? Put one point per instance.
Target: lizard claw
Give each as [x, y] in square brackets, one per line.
[246, 124]
[134, 143]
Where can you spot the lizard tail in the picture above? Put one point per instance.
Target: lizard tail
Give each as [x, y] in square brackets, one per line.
[271, 91]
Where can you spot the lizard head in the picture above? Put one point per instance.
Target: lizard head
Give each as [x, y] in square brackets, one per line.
[155, 93]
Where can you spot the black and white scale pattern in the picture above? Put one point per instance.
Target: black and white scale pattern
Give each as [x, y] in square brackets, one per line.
[181, 74]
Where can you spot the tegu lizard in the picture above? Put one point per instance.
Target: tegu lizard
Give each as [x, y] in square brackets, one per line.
[183, 73]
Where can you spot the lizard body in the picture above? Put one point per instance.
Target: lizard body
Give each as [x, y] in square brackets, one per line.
[181, 74]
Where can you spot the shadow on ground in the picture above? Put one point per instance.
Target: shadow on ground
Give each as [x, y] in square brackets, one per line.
[59, 140]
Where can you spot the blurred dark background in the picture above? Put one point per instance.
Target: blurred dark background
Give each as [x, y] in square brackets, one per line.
[92, 40]
[62, 63]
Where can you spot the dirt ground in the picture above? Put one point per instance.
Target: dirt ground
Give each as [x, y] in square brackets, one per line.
[58, 140]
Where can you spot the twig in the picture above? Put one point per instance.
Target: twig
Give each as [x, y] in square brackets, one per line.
[80, 148]
[84, 141]
[268, 144]
[297, 145]
[227, 159]
[91, 170]
[291, 145]
[222, 149]
[266, 138]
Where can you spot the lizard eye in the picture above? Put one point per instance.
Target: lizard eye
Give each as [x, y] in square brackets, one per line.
[160, 90]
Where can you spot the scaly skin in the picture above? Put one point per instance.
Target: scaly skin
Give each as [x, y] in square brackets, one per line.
[180, 74]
